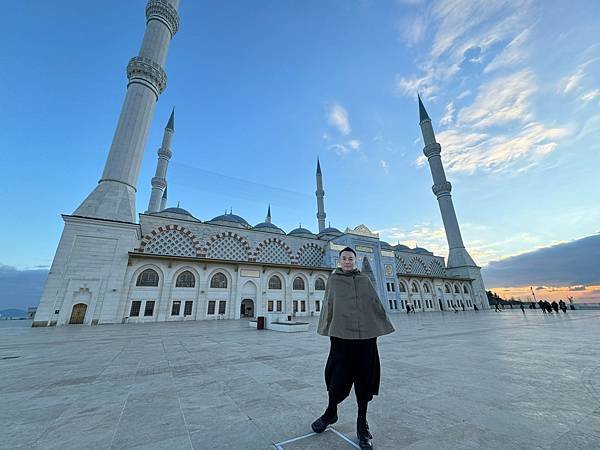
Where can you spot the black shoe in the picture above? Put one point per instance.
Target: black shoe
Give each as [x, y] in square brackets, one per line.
[319, 425]
[364, 436]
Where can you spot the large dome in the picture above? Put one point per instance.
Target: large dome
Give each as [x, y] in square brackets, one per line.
[230, 220]
[268, 227]
[402, 248]
[302, 232]
[386, 246]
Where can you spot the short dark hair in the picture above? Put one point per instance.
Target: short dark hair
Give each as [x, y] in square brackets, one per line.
[347, 249]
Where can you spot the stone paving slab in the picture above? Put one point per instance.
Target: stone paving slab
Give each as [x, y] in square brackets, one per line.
[449, 381]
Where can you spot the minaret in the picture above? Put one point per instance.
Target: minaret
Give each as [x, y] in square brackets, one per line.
[268, 218]
[159, 181]
[114, 196]
[163, 200]
[320, 195]
[458, 255]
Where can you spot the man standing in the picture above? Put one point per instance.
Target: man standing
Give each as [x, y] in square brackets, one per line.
[353, 317]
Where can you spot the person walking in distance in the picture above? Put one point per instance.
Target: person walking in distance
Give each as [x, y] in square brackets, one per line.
[353, 317]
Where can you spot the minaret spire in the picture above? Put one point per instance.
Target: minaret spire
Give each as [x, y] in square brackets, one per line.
[268, 218]
[320, 193]
[458, 255]
[159, 181]
[114, 196]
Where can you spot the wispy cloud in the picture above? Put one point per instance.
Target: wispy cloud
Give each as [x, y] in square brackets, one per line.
[448, 115]
[384, 165]
[590, 95]
[337, 117]
[513, 54]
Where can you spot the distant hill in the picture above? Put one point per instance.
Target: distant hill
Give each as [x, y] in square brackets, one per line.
[13, 313]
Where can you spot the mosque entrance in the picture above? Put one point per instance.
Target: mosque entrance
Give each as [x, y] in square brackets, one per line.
[78, 314]
[247, 308]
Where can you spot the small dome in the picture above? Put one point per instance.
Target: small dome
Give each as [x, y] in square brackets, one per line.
[422, 250]
[176, 213]
[329, 233]
[231, 220]
[181, 211]
[268, 227]
[301, 232]
[386, 246]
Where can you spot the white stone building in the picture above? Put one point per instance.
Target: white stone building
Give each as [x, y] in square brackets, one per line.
[169, 265]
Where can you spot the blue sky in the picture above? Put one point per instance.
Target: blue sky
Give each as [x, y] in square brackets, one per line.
[262, 88]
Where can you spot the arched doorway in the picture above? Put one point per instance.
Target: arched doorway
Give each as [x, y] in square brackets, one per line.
[247, 308]
[78, 314]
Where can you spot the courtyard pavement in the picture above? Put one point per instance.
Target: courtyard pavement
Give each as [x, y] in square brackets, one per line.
[449, 381]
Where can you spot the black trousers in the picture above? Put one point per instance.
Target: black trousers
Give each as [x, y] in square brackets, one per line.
[353, 362]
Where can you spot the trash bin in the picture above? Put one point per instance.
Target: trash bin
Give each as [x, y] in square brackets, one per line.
[260, 323]
[289, 318]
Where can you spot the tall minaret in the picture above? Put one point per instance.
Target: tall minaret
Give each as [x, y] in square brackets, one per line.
[320, 195]
[163, 200]
[114, 196]
[159, 181]
[458, 255]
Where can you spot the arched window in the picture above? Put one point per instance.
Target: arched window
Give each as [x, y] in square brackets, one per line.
[274, 282]
[426, 288]
[219, 281]
[319, 284]
[298, 284]
[402, 286]
[447, 289]
[148, 277]
[465, 289]
[186, 279]
[413, 287]
[456, 289]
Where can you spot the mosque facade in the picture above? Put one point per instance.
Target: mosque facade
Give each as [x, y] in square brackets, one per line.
[167, 265]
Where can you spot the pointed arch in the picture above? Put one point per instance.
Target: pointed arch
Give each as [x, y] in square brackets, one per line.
[310, 254]
[171, 240]
[417, 266]
[227, 245]
[400, 264]
[273, 250]
[436, 269]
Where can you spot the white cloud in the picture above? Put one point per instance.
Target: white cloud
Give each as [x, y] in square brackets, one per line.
[354, 144]
[501, 100]
[448, 115]
[590, 95]
[571, 82]
[385, 166]
[413, 30]
[466, 151]
[337, 117]
[512, 54]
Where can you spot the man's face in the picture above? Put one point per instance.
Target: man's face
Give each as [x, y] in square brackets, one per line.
[347, 261]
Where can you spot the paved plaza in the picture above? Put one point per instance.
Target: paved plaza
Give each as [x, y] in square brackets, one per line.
[449, 381]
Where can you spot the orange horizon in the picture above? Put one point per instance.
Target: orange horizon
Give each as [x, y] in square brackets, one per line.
[579, 293]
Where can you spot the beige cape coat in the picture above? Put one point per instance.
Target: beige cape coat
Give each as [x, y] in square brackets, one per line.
[351, 308]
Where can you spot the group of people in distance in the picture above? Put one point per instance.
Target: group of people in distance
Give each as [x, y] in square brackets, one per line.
[547, 307]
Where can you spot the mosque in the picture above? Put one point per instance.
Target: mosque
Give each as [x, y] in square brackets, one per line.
[169, 265]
